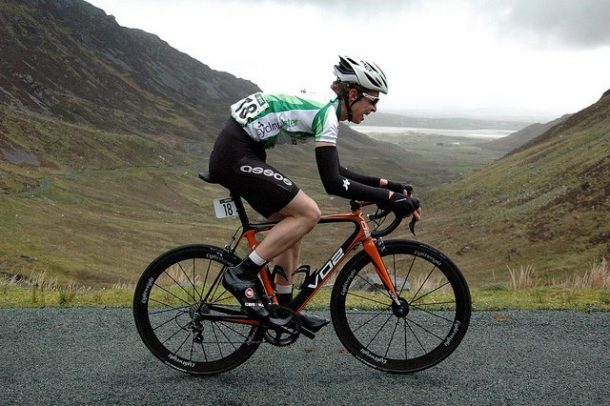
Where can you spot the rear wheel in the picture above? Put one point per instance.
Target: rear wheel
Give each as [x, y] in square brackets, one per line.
[186, 318]
[420, 331]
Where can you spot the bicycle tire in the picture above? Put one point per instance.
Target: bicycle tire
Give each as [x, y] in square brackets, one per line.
[377, 333]
[169, 299]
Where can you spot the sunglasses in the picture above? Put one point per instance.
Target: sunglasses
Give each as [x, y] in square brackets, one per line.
[372, 99]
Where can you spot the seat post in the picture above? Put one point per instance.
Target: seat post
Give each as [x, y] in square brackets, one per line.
[241, 211]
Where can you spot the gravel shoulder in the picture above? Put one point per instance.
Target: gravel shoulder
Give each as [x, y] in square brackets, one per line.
[95, 356]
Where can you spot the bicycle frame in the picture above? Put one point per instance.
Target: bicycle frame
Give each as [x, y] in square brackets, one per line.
[317, 279]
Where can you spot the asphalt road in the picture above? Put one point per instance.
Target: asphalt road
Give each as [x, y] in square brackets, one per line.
[95, 356]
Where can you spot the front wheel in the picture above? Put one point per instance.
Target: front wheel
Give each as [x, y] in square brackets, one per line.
[420, 331]
[187, 319]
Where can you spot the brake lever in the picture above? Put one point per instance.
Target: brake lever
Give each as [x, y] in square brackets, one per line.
[412, 225]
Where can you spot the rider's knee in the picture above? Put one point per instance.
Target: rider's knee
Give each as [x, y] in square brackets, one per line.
[312, 214]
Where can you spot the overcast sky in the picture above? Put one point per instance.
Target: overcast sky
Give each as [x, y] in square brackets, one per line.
[537, 58]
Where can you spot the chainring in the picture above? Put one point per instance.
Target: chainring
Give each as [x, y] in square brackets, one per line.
[283, 327]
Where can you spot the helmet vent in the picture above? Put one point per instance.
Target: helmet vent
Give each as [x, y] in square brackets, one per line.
[372, 79]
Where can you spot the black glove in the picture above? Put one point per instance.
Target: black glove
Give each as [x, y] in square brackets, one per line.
[399, 187]
[403, 205]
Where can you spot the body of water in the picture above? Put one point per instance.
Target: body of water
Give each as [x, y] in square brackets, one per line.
[483, 133]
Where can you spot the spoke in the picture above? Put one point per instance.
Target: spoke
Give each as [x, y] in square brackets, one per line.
[167, 291]
[205, 355]
[426, 330]
[375, 287]
[432, 314]
[179, 348]
[228, 339]
[195, 291]
[379, 331]
[214, 284]
[173, 335]
[367, 322]
[166, 305]
[416, 338]
[207, 273]
[404, 324]
[222, 342]
[217, 342]
[415, 299]
[178, 284]
[407, 277]
[434, 303]
[232, 329]
[172, 319]
[189, 279]
[222, 297]
[370, 300]
[391, 338]
[423, 283]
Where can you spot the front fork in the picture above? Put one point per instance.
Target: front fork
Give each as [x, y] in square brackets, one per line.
[370, 247]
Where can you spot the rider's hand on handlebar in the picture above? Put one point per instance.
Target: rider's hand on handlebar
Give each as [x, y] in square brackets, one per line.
[404, 204]
[408, 191]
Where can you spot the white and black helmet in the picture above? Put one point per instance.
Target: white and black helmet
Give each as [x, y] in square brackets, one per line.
[366, 74]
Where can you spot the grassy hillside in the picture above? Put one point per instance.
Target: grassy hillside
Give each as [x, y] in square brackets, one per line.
[517, 139]
[451, 157]
[96, 207]
[103, 130]
[546, 205]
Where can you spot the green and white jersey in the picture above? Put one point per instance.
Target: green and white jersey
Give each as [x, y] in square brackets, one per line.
[281, 119]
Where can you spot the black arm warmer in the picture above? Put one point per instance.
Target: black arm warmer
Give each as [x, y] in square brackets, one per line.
[364, 179]
[335, 184]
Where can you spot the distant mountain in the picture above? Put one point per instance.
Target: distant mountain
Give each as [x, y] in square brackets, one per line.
[69, 60]
[546, 204]
[398, 120]
[521, 137]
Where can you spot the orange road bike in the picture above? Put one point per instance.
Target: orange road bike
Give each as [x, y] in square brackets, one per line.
[399, 305]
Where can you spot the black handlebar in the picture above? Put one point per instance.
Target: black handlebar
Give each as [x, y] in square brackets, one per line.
[381, 216]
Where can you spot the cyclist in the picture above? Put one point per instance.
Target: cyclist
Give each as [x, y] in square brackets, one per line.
[237, 162]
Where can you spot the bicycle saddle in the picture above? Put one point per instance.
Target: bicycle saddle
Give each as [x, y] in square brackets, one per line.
[207, 177]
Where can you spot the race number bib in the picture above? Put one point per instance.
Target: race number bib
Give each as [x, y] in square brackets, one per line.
[225, 208]
[246, 109]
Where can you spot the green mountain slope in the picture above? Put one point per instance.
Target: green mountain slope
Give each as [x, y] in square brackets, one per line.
[102, 132]
[546, 204]
[70, 60]
[521, 137]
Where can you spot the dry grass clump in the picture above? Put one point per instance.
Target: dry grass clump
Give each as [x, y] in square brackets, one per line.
[523, 278]
[597, 277]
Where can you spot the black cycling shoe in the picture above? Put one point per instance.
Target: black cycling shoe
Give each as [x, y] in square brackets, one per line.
[313, 323]
[247, 289]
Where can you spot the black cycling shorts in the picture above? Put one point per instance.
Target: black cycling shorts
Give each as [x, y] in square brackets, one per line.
[238, 163]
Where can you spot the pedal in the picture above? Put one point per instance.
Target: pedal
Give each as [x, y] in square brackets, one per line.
[307, 333]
